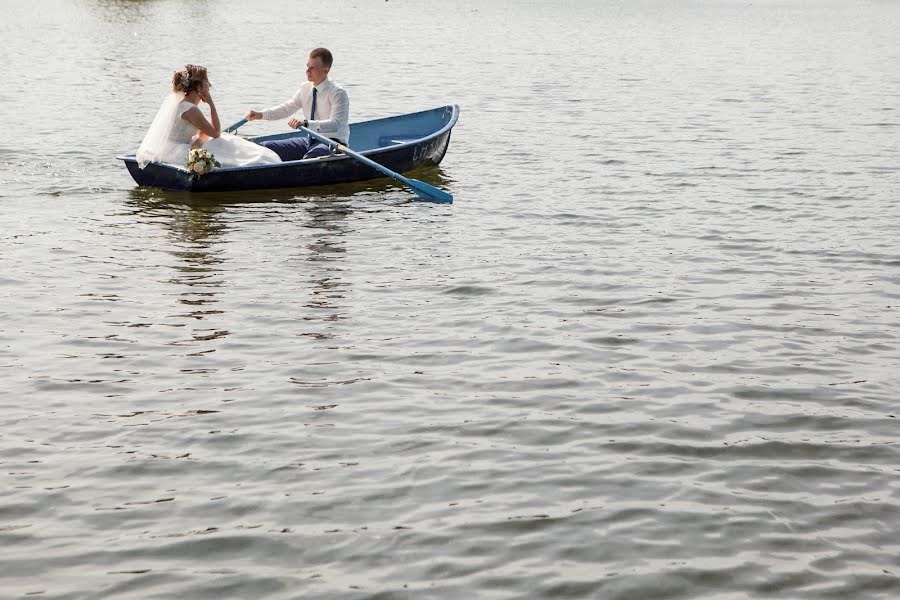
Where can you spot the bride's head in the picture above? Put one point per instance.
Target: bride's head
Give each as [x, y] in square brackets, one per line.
[188, 79]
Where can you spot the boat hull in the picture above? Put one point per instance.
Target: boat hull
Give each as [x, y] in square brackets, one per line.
[400, 143]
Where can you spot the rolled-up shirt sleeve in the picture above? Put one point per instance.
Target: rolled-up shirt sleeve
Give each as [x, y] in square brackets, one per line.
[285, 109]
[338, 121]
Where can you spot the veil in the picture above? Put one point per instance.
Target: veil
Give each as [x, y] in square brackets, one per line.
[156, 140]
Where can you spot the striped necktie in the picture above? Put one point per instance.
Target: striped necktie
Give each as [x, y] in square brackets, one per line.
[312, 111]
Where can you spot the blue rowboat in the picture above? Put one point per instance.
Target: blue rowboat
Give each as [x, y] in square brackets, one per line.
[401, 143]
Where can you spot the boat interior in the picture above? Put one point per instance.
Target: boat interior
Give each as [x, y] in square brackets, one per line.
[393, 131]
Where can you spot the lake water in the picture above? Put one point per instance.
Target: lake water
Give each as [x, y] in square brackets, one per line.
[652, 350]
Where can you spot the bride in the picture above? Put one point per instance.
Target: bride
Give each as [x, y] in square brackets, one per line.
[179, 125]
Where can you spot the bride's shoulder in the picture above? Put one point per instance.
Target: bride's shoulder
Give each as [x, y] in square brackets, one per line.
[185, 106]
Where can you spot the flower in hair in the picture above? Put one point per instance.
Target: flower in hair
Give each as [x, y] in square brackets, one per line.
[185, 78]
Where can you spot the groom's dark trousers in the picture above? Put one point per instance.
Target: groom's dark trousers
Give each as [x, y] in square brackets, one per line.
[296, 148]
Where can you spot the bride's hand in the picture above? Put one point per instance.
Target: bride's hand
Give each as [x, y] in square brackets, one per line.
[205, 96]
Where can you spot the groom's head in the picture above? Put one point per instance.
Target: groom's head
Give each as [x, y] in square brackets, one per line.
[318, 65]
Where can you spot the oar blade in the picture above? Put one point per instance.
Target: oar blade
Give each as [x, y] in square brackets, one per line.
[429, 192]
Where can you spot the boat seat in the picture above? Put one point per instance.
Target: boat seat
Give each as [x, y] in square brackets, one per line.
[393, 140]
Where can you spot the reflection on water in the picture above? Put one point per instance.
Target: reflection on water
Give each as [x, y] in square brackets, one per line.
[327, 220]
[195, 236]
[197, 228]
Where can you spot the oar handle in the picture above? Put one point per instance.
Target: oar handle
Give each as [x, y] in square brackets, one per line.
[234, 126]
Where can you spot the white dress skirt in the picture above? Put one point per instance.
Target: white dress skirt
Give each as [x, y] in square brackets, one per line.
[233, 151]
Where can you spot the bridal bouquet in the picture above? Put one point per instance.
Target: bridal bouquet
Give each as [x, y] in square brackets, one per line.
[200, 162]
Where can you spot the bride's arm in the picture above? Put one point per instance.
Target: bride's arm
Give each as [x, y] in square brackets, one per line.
[205, 96]
[198, 140]
[196, 118]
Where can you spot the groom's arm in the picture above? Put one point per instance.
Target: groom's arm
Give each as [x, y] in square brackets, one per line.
[283, 110]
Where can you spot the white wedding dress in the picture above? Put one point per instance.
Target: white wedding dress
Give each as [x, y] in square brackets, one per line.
[169, 140]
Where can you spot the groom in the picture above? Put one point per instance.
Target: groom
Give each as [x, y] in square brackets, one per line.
[326, 109]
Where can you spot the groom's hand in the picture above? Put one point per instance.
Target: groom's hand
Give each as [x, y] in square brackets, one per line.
[253, 115]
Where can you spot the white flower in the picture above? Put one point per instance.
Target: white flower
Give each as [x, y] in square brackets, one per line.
[198, 168]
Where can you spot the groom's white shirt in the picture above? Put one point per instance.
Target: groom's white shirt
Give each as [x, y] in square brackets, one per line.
[332, 109]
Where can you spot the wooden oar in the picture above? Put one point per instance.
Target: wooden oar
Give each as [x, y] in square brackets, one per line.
[429, 192]
[234, 126]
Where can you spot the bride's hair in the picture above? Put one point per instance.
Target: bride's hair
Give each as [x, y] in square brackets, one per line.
[188, 79]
